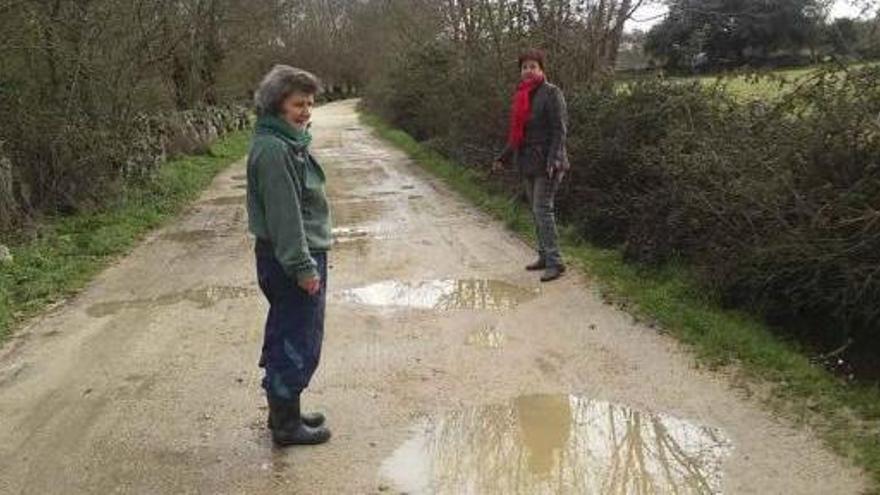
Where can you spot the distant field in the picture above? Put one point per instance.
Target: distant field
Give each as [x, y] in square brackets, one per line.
[758, 84]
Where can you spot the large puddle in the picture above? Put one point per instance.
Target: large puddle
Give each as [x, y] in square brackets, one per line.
[203, 297]
[558, 444]
[443, 295]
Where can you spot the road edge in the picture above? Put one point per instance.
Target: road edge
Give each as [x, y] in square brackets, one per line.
[69, 252]
[845, 416]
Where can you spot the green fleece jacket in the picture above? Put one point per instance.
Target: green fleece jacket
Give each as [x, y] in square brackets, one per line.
[286, 202]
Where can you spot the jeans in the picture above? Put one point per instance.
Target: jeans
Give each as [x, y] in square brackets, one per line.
[541, 193]
[294, 326]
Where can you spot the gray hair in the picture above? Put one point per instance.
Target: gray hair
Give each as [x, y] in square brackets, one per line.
[281, 82]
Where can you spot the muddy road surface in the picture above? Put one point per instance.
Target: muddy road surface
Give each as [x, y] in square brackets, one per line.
[447, 368]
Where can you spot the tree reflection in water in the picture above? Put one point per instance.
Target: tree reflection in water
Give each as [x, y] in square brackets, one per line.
[558, 444]
[441, 295]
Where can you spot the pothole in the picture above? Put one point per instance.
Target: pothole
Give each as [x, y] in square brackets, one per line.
[188, 236]
[203, 297]
[358, 212]
[226, 201]
[558, 444]
[442, 295]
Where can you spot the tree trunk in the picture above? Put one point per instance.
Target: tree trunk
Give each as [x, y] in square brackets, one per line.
[9, 209]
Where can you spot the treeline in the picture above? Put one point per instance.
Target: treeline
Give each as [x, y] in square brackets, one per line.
[774, 204]
[715, 34]
[92, 92]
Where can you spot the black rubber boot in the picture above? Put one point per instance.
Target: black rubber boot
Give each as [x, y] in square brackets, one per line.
[313, 420]
[537, 265]
[288, 427]
[552, 273]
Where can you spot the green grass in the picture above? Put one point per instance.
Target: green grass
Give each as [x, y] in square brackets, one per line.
[753, 85]
[69, 251]
[846, 416]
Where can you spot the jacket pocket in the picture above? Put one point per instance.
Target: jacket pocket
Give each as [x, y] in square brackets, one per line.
[533, 158]
[314, 175]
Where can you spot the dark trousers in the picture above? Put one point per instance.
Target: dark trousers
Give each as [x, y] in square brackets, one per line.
[541, 193]
[294, 327]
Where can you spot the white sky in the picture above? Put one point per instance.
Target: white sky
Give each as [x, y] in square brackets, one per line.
[651, 14]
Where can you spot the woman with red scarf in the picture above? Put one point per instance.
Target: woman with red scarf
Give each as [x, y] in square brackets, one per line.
[536, 145]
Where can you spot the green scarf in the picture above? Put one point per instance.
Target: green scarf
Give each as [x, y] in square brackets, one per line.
[300, 139]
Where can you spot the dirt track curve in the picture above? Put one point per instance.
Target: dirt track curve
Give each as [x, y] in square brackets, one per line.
[447, 368]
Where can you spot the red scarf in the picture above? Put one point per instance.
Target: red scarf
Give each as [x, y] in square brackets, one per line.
[522, 107]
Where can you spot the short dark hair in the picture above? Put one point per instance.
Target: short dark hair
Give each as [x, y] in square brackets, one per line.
[281, 82]
[534, 55]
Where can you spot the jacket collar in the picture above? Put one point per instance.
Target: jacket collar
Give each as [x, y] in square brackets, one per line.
[270, 124]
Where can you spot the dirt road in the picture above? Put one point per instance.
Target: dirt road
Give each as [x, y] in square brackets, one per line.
[447, 368]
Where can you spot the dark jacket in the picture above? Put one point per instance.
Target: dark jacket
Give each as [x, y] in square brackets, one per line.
[545, 134]
[287, 205]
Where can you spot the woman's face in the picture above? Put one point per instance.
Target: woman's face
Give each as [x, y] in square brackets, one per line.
[297, 109]
[530, 69]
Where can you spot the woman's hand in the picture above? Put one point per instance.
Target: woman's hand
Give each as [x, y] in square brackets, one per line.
[311, 285]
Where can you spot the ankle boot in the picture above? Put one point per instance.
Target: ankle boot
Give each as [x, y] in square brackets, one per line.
[313, 420]
[553, 272]
[288, 427]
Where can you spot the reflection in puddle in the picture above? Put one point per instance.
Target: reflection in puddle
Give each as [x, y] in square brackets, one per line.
[203, 297]
[188, 236]
[358, 212]
[488, 337]
[441, 294]
[549, 444]
[348, 234]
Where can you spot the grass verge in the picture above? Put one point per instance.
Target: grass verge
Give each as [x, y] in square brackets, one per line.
[69, 251]
[847, 416]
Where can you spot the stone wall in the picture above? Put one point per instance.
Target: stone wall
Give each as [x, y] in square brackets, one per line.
[159, 137]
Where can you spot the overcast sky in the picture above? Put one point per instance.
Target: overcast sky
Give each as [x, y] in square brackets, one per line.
[651, 14]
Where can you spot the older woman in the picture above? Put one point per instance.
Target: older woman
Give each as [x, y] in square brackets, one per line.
[289, 215]
[536, 144]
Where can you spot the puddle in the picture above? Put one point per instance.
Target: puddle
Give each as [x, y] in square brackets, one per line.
[358, 212]
[348, 234]
[226, 200]
[189, 236]
[203, 297]
[360, 176]
[488, 337]
[443, 295]
[558, 444]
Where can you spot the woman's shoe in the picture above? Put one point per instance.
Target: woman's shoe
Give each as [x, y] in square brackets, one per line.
[538, 265]
[552, 273]
[288, 427]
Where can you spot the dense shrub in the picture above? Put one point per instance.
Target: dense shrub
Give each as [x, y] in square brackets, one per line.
[80, 165]
[775, 204]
